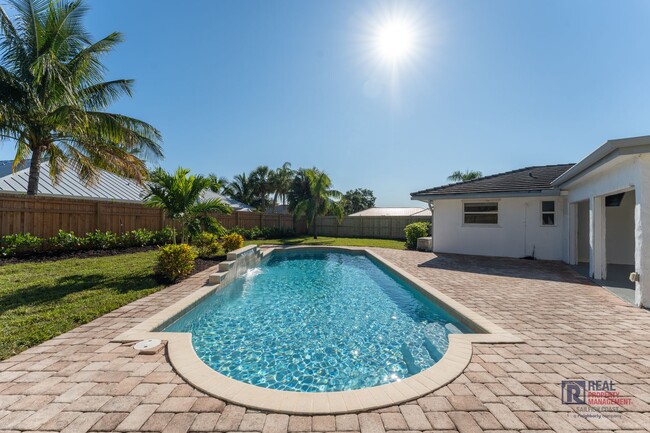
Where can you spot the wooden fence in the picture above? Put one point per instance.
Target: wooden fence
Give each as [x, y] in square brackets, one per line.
[44, 216]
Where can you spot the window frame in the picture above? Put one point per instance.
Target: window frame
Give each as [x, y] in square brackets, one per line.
[542, 212]
[481, 202]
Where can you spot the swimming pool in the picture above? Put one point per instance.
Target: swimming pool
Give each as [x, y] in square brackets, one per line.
[311, 320]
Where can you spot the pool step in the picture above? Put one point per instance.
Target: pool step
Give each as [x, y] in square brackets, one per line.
[226, 266]
[217, 277]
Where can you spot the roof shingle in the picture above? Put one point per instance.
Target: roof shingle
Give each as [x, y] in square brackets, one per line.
[525, 180]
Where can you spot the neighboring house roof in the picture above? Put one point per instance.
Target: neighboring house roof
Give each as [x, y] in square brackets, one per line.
[109, 186]
[525, 181]
[393, 211]
[234, 204]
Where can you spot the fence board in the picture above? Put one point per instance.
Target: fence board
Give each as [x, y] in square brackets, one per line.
[43, 216]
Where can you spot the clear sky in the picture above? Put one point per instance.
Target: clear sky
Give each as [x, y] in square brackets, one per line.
[489, 85]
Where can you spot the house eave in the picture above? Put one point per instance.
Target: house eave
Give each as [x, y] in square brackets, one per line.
[605, 153]
[486, 195]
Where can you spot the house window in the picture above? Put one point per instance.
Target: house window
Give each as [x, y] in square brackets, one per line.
[481, 213]
[548, 213]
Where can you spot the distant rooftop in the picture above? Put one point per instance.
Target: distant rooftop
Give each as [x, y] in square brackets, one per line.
[393, 211]
[109, 186]
[529, 180]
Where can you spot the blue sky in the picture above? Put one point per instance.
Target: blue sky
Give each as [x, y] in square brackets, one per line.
[493, 86]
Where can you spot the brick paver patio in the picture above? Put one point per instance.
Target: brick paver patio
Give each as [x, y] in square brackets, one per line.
[81, 381]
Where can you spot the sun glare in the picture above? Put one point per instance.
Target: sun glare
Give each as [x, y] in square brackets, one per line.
[395, 40]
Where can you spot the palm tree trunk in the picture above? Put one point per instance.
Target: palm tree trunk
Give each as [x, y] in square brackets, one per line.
[314, 224]
[275, 201]
[34, 172]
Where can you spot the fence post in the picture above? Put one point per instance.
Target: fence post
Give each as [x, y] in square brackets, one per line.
[236, 219]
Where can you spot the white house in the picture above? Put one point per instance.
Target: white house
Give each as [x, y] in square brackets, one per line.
[596, 211]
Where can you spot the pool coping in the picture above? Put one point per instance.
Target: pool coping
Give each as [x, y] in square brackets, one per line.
[189, 366]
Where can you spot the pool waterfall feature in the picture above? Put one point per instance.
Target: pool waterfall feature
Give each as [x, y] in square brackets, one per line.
[194, 370]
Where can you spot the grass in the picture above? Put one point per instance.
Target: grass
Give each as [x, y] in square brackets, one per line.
[326, 240]
[39, 301]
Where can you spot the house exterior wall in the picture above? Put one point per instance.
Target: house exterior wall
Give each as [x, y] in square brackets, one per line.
[619, 233]
[519, 229]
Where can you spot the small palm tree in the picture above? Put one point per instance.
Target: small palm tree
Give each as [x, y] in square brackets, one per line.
[319, 199]
[261, 180]
[179, 194]
[53, 97]
[460, 176]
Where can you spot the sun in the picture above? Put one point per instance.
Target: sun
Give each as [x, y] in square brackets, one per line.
[395, 40]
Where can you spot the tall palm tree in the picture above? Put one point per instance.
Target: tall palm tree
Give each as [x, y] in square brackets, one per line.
[320, 199]
[179, 194]
[464, 176]
[53, 96]
[240, 189]
[281, 183]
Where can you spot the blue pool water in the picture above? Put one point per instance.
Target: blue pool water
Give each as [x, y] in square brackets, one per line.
[314, 321]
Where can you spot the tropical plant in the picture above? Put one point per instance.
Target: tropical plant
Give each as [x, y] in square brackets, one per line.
[53, 97]
[240, 189]
[464, 176]
[262, 187]
[175, 261]
[320, 199]
[357, 200]
[180, 195]
[207, 244]
[281, 179]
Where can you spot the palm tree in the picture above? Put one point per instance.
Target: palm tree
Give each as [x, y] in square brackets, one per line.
[219, 184]
[240, 189]
[281, 183]
[319, 200]
[460, 176]
[52, 96]
[179, 194]
[261, 180]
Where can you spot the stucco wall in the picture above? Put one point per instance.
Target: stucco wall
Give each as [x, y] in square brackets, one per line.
[518, 232]
[620, 231]
[583, 232]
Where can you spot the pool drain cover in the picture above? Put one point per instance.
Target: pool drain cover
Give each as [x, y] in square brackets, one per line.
[148, 346]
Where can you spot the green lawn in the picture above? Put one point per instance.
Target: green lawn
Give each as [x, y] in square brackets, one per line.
[325, 240]
[39, 301]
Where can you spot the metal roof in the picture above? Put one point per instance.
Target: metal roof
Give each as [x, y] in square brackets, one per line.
[393, 211]
[529, 180]
[109, 186]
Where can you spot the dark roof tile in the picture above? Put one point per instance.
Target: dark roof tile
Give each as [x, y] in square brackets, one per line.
[524, 180]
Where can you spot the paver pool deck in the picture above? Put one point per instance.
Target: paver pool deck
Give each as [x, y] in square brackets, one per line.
[572, 329]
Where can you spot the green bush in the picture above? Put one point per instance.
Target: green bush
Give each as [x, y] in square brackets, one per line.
[232, 242]
[20, 244]
[175, 261]
[414, 231]
[207, 245]
[263, 233]
[99, 240]
[164, 236]
[137, 238]
[65, 241]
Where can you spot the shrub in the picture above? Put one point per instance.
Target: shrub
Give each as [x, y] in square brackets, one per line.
[99, 240]
[65, 241]
[164, 236]
[175, 261]
[232, 242]
[20, 244]
[414, 231]
[137, 238]
[207, 244]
